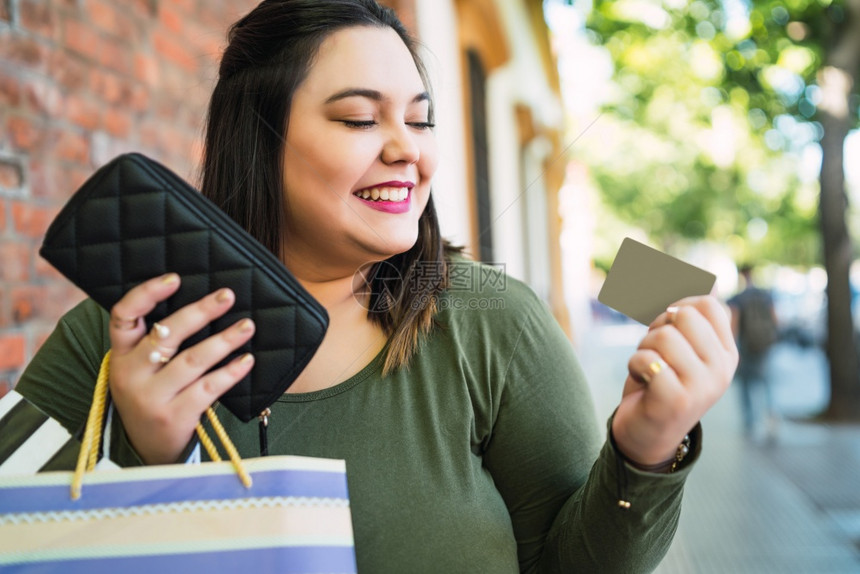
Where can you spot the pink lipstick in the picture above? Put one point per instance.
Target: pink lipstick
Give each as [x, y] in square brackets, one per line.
[388, 197]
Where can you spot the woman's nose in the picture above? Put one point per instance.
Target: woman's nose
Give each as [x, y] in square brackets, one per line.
[400, 146]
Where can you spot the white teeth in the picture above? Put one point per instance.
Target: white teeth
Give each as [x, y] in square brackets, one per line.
[384, 194]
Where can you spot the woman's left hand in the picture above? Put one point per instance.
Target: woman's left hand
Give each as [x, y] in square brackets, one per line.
[682, 367]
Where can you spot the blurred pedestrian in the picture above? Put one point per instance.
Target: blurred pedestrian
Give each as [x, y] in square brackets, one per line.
[754, 325]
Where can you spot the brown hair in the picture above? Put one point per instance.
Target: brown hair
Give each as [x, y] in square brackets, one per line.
[268, 56]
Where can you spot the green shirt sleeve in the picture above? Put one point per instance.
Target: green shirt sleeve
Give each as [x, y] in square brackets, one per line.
[560, 485]
[62, 376]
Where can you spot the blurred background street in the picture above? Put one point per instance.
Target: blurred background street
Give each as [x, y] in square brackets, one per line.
[785, 499]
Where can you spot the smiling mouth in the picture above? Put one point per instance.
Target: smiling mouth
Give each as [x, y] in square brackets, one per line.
[391, 194]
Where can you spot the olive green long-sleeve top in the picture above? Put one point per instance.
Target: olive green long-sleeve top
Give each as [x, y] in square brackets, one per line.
[484, 456]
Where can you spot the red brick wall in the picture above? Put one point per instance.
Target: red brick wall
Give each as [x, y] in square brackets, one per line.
[80, 82]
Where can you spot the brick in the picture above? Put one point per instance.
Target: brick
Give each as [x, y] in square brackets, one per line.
[117, 56]
[54, 181]
[11, 352]
[143, 8]
[31, 220]
[26, 134]
[42, 175]
[110, 87]
[25, 51]
[61, 296]
[187, 7]
[146, 69]
[117, 122]
[69, 70]
[108, 18]
[149, 135]
[71, 146]
[38, 17]
[15, 256]
[5, 15]
[82, 39]
[2, 226]
[5, 313]
[27, 303]
[174, 51]
[5, 383]
[174, 88]
[10, 91]
[140, 100]
[169, 18]
[83, 111]
[74, 177]
[42, 302]
[43, 96]
[11, 177]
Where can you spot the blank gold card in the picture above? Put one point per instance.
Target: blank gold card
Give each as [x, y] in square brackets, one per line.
[643, 281]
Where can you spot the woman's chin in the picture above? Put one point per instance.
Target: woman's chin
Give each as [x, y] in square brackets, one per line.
[394, 244]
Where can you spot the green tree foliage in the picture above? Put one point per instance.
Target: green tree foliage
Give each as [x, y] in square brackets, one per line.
[717, 103]
[714, 109]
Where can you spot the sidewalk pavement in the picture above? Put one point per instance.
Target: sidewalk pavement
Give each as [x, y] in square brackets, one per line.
[788, 503]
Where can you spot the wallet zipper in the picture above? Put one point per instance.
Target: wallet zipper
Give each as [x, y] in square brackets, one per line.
[264, 431]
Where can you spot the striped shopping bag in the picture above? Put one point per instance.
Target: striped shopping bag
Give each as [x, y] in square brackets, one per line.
[294, 519]
[31, 441]
[284, 514]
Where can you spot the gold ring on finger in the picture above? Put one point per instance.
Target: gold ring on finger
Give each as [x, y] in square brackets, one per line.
[653, 370]
[156, 358]
[671, 314]
[124, 323]
[160, 331]
[150, 338]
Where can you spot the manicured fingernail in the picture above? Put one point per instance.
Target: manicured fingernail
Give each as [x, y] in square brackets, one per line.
[245, 325]
[223, 296]
[246, 358]
[170, 279]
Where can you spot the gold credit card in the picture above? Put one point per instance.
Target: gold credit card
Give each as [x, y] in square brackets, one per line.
[643, 281]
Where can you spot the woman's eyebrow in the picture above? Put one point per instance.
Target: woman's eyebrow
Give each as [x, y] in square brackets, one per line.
[374, 95]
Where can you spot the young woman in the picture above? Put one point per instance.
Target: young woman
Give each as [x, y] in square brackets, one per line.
[469, 435]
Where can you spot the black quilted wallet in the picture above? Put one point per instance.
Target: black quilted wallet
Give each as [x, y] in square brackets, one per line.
[134, 220]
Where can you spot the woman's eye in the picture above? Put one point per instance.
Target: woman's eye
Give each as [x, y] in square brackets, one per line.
[422, 125]
[361, 124]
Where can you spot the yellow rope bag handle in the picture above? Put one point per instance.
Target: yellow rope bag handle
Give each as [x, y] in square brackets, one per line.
[92, 438]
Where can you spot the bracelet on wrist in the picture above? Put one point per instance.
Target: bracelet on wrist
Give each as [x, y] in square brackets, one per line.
[667, 466]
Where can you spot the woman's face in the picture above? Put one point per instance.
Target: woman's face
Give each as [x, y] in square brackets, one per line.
[359, 154]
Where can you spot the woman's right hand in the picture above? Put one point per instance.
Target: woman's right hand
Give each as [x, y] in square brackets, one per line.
[159, 394]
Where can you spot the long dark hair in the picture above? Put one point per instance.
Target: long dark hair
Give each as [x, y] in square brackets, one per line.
[268, 56]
